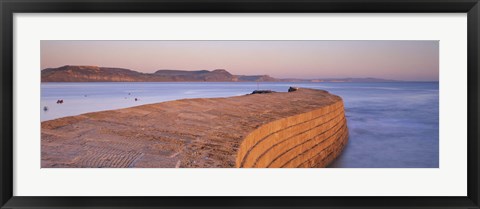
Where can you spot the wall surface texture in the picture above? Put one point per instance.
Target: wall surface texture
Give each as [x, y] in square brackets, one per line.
[311, 139]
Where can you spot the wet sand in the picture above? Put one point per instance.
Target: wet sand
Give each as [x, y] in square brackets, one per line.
[304, 128]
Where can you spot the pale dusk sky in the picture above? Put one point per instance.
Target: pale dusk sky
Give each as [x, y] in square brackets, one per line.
[398, 60]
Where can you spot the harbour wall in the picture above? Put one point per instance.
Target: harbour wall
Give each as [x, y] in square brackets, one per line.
[311, 139]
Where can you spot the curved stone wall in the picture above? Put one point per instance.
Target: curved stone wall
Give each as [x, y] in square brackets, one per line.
[311, 139]
[301, 128]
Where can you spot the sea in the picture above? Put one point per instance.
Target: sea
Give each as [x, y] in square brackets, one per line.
[391, 124]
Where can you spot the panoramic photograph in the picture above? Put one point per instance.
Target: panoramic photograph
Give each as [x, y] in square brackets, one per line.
[239, 104]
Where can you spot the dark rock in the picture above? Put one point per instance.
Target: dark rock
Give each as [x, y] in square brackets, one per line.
[291, 89]
[262, 91]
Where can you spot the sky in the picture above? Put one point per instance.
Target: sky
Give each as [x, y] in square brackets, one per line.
[398, 60]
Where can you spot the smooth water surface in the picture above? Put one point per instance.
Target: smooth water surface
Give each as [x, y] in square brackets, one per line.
[391, 125]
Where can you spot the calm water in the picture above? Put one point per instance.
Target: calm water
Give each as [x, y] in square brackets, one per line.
[391, 125]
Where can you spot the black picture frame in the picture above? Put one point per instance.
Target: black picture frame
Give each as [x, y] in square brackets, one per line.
[9, 7]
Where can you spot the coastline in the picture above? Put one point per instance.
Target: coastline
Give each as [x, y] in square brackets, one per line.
[204, 132]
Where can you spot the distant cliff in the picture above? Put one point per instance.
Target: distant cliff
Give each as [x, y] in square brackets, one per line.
[70, 73]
